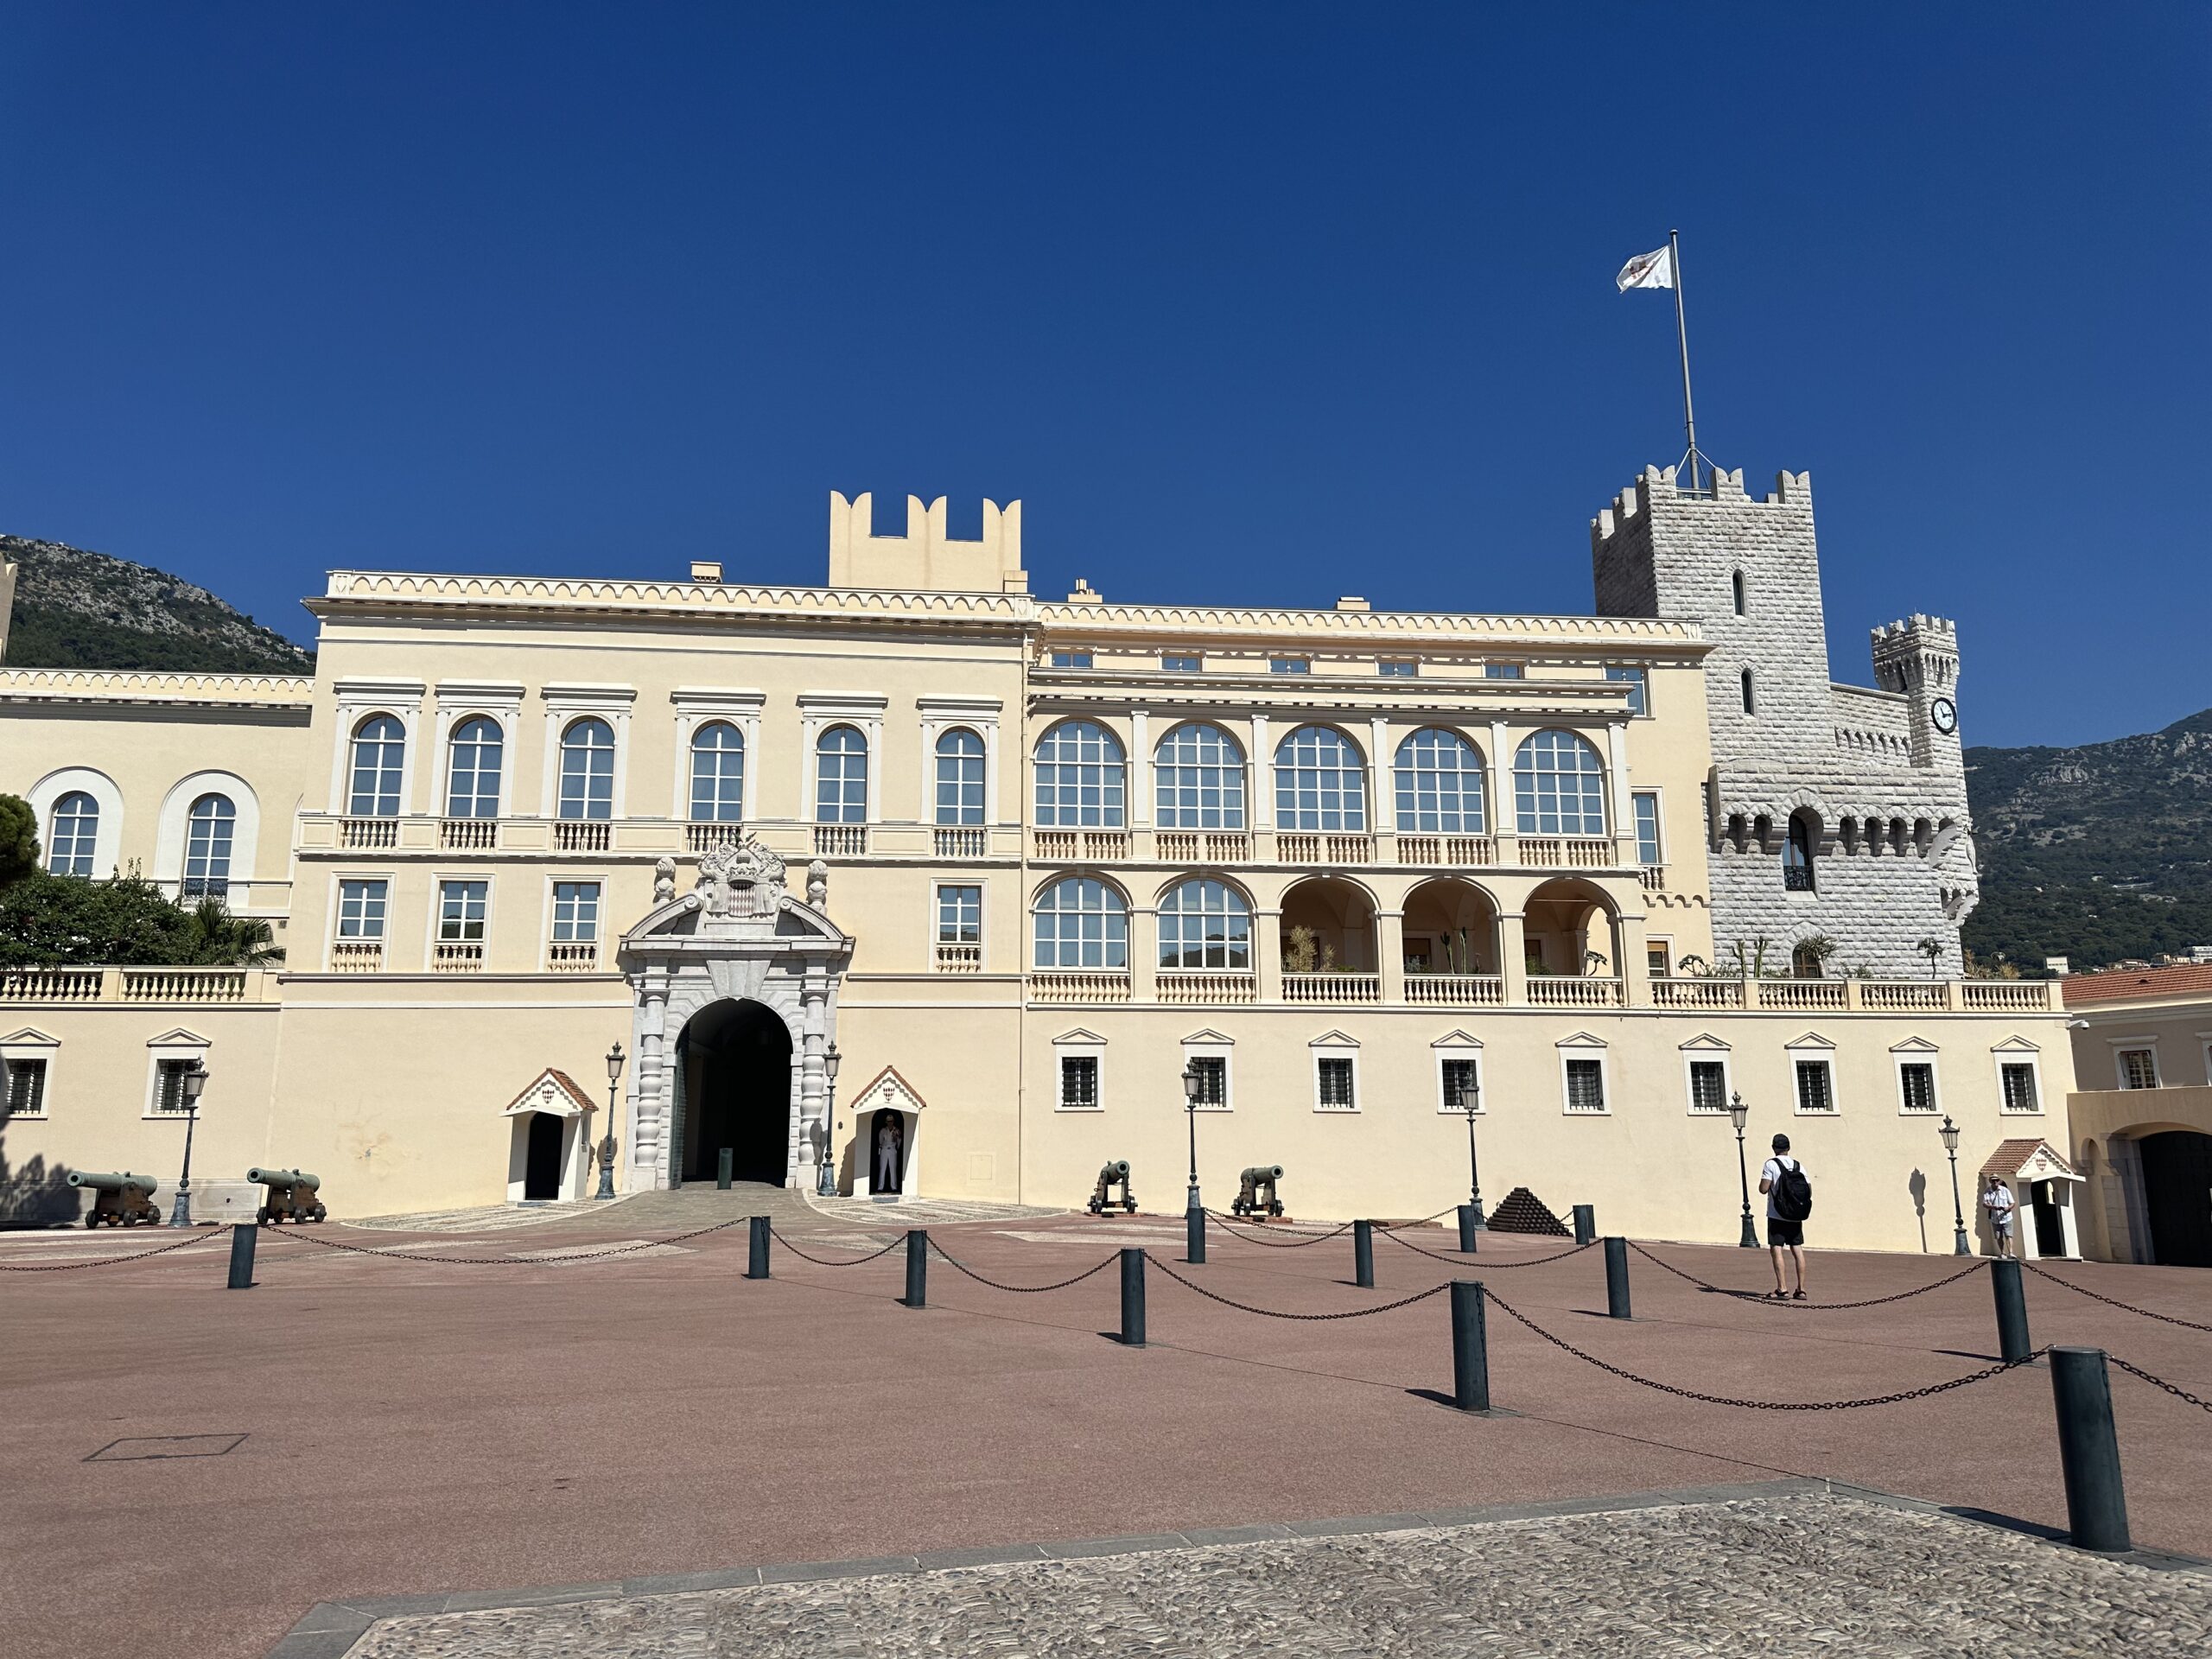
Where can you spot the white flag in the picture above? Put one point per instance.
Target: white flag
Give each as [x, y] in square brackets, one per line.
[1653, 269]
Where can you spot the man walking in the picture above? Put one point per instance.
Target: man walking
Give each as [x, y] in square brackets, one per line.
[1997, 1199]
[1788, 1202]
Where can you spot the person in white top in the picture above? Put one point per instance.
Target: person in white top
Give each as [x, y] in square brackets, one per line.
[1784, 1235]
[1997, 1199]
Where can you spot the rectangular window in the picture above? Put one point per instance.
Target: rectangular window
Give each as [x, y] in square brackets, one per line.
[1071, 660]
[1708, 1086]
[2018, 1080]
[1815, 1091]
[1181, 665]
[1917, 1086]
[1213, 1071]
[959, 915]
[1639, 687]
[1585, 1085]
[26, 1093]
[1655, 959]
[1647, 827]
[168, 1085]
[576, 913]
[1288, 666]
[1462, 1086]
[360, 909]
[1078, 1083]
[461, 911]
[2139, 1068]
[1400, 669]
[1501, 670]
[1335, 1081]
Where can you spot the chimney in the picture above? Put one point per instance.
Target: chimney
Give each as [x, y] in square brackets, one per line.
[706, 570]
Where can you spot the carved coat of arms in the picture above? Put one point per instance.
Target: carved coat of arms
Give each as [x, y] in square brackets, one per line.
[739, 880]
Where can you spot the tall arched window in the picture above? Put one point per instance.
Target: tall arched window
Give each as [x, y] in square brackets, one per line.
[1750, 702]
[1559, 786]
[1080, 777]
[472, 772]
[379, 757]
[207, 829]
[841, 777]
[1320, 783]
[717, 773]
[1797, 856]
[1199, 775]
[587, 769]
[1205, 924]
[1082, 923]
[960, 777]
[1737, 582]
[1439, 784]
[72, 834]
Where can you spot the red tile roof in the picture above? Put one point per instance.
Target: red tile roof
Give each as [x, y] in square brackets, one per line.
[2178, 981]
[2012, 1156]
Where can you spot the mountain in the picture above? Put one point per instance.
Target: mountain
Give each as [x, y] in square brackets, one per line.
[2099, 853]
[75, 609]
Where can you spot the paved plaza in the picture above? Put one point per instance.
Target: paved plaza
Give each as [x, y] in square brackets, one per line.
[602, 1400]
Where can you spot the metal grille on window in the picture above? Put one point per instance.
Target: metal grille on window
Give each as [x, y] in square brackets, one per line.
[1320, 782]
[473, 775]
[960, 778]
[1916, 1083]
[1205, 924]
[587, 770]
[1080, 777]
[1461, 1085]
[1078, 1081]
[1198, 778]
[1439, 784]
[1708, 1086]
[1559, 786]
[1336, 1084]
[717, 773]
[1815, 1090]
[26, 1088]
[1082, 923]
[168, 1086]
[1213, 1071]
[1585, 1086]
[2019, 1085]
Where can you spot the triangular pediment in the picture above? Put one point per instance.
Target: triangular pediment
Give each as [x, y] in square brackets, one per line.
[31, 1037]
[1456, 1038]
[177, 1038]
[2015, 1046]
[1334, 1039]
[1914, 1045]
[1811, 1039]
[1706, 1043]
[1080, 1034]
[1208, 1038]
[887, 1091]
[553, 1092]
[1581, 1040]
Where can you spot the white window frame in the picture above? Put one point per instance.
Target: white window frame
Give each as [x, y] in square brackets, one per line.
[30, 1044]
[1637, 675]
[1077, 1045]
[704, 705]
[599, 934]
[1707, 1049]
[2019, 1050]
[1290, 664]
[107, 833]
[982, 910]
[178, 1045]
[939, 714]
[1214, 1045]
[173, 830]
[2122, 1047]
[565, 704]
[1398, 668]
[434, 920]
[1914, 1050]
[356, 699]
[1658, 798]
[1808, 1050]
[1459, 1046]
[338, 880]
[2204, 1038]
[1583, 1046]
[1664, 942]
[1335, 1045]
[1170, 662]
[454, 703]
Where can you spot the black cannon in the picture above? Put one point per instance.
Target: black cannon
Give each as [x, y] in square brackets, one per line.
[1249, 1201]
[1116, 1170]
[122, 1200]
[291, 1195]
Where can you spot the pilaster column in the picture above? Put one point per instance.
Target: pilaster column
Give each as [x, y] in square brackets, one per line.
[1140, 768]
[1144, 953]
[1503, 819]
[813, 1084]
[1390, 949]
[645, 1165]
[1263, 777]
[1385, 813]
[1512, 965]
[1266, 952]
[1622, 814]
[1634, 968]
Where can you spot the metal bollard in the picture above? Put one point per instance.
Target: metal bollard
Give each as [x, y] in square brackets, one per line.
[724, 1162]
[1470, 1228]
[756, 1255]
[1194, 1234]
[1469, 1347]
[918, 1267]
[1585, 1225]
[244, 1237]
[2088, 1450]
[1362, 1254]
[1133, 1299]
[1616, 1278]
[2013, 1342]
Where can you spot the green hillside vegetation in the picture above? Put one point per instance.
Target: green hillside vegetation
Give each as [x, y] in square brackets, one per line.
[79, 609]
[41, 636]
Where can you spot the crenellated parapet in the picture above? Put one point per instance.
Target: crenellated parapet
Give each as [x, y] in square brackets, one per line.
[924, 556]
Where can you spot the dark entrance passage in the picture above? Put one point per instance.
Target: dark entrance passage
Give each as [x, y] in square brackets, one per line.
[2178, 1192]
[2051, 1230]
[540, 1175]
[733, 1066]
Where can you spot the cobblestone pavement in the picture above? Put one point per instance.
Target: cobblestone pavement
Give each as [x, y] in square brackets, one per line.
[1807, 1573]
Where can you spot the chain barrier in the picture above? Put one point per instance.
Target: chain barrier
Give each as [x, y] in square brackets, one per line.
[1807, 1307]
[821, 1261]
[1423, 1222]
[1277, 1314]
[295, 1237]
[1022, 1290]
[1771, 1405]
[1489, 1265]
[2160, 1383]
[2113, 1301]
[1233, 1223]
[198, 1237]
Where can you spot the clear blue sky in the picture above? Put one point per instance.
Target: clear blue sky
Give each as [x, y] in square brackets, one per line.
[1252, 305]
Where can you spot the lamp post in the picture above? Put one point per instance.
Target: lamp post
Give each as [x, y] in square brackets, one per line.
[193, 1083]
[1950, 1133]
[1470, 1098]
[1192, 1084]
[825, 1175]
[1738, 1113]
[607, 1141]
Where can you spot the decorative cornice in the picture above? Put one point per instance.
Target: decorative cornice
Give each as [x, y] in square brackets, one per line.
[131, 685]
[350, 591]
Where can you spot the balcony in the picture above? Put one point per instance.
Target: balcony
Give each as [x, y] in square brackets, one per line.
[468, 835]
[959, 958]
[458, 956]
[1655, 878]
[368, 835]
[1903, 996]
[1461, 851]
[357, 956]
[960, 842]
[50, 984]
[697, 837]
[1199, 985]
[1566, 852]
[581, 834]
[1203, 846]
[1702, 994]
[1081, 846]
[1551, 991]
[1079, 985]
[1804, 996]
[1455, 990]
[1304, 847]
[572, 957]
[840, 840]
[142, 985]
[1333, 989]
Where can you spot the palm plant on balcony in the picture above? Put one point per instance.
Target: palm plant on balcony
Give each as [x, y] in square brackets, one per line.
[214, 938]
[1305, 951]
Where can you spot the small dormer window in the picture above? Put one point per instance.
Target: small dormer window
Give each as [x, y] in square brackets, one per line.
[1071, 660]
[1289, 665]
[1182, 662]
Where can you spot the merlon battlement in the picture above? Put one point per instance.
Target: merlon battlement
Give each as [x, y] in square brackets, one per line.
[925, 558]
[1927, 630]
[1659, 486]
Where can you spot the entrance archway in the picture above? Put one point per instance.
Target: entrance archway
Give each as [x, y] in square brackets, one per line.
[2177, 1194]
[734, 1083]
[541, 1176]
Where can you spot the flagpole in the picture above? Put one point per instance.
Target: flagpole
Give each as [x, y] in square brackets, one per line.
[1683, 334]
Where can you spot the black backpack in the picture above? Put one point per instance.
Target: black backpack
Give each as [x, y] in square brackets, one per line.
[1792, 1192]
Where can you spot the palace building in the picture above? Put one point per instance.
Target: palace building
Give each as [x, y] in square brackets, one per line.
[951, 885]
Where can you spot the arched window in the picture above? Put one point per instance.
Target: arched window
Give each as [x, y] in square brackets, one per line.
[1749, 706]
[1797, 856]
[1080, 777]
[960, 777]
[1205, 924]
[587, 769]
[717, 773]
[1439, 784]
[207, 829]
[1320, 783]
[1559, 786]
[379, 754]
[71, 837]
[472, 772]
[841, 777]
[1199, 774]
[1737, 582]
[1082, 923]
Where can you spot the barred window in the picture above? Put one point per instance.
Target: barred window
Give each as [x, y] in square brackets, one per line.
[1082, 923]
[74, 830]
[960, 777]
[1205, 924]
[1708, 1086]
[25, 1091]
[461, 911]
[1320, 783]
[2018, 1079]
[1439, 784]
[576, 913]
[473, 766]
[1334, 1082]
[1212, 1073]
[717, 773]
[1462, 1086]
[379, 755]
[1078, 1083]
[1559, 786]
[1081, 776]
[168, 1085]
[207, 832]
[1917, 1086]
[1198, 780]
[1585, 1085]
[587, 770]
[1816, 1087]
[841, 777]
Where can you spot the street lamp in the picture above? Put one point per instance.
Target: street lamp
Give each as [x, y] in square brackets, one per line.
[607, 1141]
[1470, 1098]
[1738, 1112]
[1193, 1085]
[1959, 1244]
[825, 1179]
[193, 1083]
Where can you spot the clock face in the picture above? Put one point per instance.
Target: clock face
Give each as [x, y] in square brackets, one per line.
[1945, 713]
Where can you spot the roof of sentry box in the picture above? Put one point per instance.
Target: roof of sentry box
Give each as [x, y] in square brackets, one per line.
[2033, 1157]
[2134, 983]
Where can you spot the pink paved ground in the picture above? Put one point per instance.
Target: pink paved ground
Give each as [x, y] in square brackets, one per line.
[414, 1428]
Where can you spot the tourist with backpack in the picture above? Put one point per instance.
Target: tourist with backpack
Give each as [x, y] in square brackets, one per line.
[1788, 1202]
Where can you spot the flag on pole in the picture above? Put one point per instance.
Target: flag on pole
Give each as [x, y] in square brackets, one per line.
[1653, 269]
